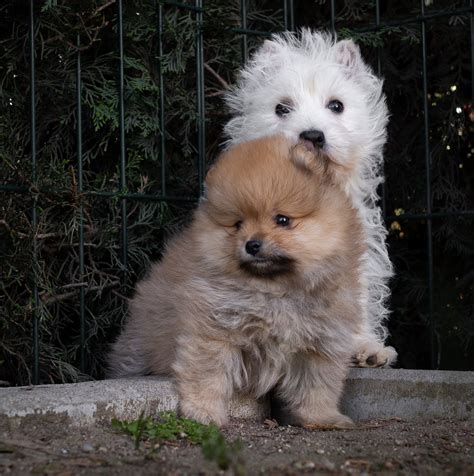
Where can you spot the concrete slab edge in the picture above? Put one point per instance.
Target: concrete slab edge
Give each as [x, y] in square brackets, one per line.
[408, 394]
[89, 403]
[369, 394]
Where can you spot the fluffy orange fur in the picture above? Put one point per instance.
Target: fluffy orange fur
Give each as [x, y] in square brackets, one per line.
[261, 291]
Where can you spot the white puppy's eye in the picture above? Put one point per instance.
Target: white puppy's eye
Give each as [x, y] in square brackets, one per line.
[284, 107]
[335, 106]
[238, 225]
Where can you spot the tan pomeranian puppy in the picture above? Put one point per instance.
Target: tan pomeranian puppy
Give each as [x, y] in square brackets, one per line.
[260, 292]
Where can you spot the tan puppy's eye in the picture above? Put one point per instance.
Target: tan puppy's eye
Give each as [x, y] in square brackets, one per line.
[238, 224]
[282, 220]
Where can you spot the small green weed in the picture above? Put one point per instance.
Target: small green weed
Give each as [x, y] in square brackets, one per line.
[169, 427]
[225, 454]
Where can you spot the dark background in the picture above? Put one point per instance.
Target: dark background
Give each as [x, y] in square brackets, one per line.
[161, 189]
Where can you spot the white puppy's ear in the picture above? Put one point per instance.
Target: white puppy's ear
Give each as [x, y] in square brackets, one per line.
[348, 54]
[267, 57]
[268, 47]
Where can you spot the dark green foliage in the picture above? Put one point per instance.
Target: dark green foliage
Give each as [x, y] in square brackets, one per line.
[106, 286]
[449, 80]
[58, 25]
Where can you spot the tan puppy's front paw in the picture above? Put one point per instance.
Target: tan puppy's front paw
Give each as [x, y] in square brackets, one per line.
[338, 421]
[374, 356]
[205, 414]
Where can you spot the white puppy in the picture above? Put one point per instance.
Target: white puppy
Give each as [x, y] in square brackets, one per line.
[310, 86]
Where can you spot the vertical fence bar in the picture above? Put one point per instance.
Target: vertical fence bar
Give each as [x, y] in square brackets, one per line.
[289, 17]
[291, 11]
[333, 16]
[377, 23]
[243, 24]
[162, 99]
[80, 187]
[429, 235]
[200, 96]
[123, 178]
[34, 211]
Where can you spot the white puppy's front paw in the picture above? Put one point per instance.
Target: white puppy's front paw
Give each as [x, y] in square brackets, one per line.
[372, 356]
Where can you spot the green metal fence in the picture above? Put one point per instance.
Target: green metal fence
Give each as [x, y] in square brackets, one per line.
[198, 9]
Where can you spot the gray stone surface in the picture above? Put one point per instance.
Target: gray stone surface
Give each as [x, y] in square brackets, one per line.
[408, 394]
[90, 402]
[370, 394]
[94, 402]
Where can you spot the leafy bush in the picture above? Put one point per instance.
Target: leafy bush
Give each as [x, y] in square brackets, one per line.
[62, 207]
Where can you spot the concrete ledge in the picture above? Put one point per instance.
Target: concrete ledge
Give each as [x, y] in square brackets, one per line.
[408, 394]
[370, 394]
[95, 402]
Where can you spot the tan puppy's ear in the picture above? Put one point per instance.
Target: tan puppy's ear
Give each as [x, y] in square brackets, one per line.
[308, 159]
[212, 175]
[209, 179]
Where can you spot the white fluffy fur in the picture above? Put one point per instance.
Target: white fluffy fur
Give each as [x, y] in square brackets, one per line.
[310, 69]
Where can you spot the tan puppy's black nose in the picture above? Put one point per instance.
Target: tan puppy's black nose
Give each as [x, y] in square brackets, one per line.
[252, 247]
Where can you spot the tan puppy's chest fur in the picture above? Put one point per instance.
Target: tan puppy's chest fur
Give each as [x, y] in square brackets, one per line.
[222, 318]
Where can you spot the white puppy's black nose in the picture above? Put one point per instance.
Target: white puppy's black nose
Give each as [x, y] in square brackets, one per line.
[252, 247]
[314, 136]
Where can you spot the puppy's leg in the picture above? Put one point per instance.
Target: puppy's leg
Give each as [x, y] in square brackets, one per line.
[369, 348]
[312, 389]
[205, 372]
[126, 358]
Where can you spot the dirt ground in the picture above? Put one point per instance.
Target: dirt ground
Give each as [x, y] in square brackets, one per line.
[391, 447]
